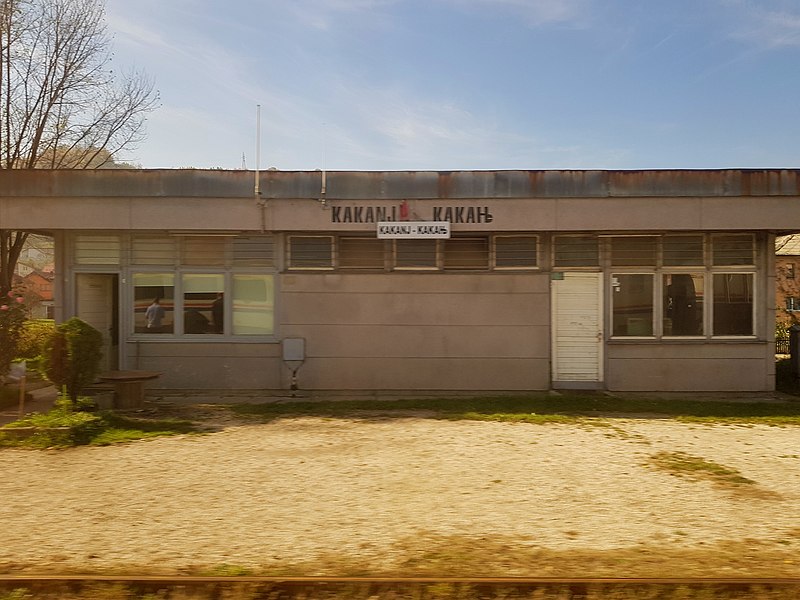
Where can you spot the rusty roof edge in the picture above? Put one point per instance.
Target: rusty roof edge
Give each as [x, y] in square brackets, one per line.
[357, 185]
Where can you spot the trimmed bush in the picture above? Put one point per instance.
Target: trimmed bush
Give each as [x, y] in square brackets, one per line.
[72, 356]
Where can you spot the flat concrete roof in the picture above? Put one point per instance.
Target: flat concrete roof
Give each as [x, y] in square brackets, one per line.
[391, 185]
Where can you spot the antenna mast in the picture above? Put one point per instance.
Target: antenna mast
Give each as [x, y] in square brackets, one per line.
[257, 190]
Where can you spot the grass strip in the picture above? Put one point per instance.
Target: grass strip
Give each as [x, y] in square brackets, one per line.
[538, 408]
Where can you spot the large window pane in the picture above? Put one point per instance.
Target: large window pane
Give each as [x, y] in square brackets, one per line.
[683, 304]
[632, 304]
[576, 251]
[633, 251]
[733, 304]
[203, 303]
[153, 302]
[253, 305]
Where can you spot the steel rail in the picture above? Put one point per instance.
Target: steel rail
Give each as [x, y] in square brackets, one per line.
[284, 580]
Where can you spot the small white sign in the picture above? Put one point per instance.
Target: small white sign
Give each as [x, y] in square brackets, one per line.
[392, 230]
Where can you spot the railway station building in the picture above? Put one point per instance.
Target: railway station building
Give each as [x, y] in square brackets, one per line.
[660, 280]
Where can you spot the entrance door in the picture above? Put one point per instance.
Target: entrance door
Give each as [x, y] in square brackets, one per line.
[97, 300]
[577, 330]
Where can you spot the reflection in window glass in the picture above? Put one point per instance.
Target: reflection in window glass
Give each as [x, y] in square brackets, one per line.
[153, 302]
[576, 251]
[415, 254]
[633, 251]
[683, 304]
[733, 304]
[683, 250]
[253, 305]
[203, 303]
[632, 304]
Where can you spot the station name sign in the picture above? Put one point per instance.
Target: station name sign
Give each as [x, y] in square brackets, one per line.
[402, 213]
[392, 230]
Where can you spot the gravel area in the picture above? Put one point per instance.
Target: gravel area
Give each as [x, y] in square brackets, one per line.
[295, 489]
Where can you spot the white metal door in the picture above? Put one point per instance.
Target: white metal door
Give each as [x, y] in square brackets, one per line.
[577, 330]
[96, 306]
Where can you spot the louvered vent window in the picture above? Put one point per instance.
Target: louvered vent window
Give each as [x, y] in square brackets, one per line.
[576, 251]
[97, 250]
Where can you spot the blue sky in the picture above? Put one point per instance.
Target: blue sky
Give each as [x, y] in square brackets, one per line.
[466, 84]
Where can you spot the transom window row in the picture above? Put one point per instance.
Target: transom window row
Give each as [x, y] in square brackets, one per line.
[314, 252]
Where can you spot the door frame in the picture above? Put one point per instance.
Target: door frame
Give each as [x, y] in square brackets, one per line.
[597, 337]
[113, 348]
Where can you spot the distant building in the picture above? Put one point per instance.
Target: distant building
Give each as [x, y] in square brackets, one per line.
[787, 279]
[421, 281]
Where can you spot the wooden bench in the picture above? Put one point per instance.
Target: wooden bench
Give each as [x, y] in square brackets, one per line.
[129, 386]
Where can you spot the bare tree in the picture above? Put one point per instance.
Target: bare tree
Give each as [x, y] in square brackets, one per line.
[61, 105]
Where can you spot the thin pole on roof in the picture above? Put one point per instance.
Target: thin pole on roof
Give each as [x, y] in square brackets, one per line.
[257, 190]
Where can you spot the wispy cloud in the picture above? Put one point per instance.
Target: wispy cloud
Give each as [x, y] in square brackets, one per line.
[768, 25]
[535, 12]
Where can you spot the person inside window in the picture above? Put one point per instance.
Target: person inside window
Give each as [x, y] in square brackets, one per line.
[154, 315]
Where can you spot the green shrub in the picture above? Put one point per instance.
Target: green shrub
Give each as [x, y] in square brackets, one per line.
[13, 314]
[33, 338]
[72, 356]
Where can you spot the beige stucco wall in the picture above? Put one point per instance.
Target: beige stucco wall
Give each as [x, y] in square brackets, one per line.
[736, 366]
[431, 331]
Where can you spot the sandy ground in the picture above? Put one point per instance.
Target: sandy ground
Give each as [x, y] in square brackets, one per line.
[294, 489]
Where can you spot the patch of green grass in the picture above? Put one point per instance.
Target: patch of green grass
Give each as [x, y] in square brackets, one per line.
[683, 464]
[536, 408]
[64, 428]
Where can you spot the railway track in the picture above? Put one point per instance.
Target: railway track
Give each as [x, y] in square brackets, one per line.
[378, 588]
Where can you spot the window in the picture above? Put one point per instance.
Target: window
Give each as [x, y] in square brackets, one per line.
[204, 251]
[515, 251]
[790, 271]
[576, 251]
[683, 250]
[203, 303]
[361, 253]
[733, 250]
[253, 251]
[153, 303]
[310, 252]
[203, 286]
[415, 254]
[632, 304]
[633, 251]
[466, 253]
[683, 304]
[733, 304]
[792, 304]
[97, 250]
[154, 250]
[253, 305]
